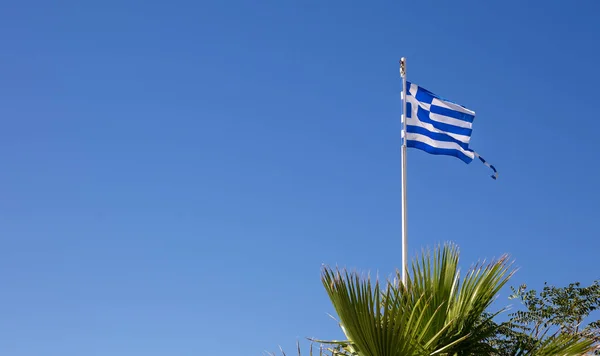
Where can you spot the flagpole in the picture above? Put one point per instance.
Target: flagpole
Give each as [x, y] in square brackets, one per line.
[403, 177]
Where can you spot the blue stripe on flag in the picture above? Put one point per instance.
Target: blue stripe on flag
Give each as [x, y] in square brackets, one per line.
[424, 96]
[438, 151]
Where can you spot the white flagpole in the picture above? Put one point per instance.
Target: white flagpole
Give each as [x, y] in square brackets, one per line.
[403, 179]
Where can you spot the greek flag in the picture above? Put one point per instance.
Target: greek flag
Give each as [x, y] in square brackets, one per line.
[439, 126]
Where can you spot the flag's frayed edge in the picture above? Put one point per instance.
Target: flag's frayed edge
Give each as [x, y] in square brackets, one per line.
[495, 175]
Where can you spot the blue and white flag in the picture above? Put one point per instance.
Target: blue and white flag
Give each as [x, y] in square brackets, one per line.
[439, 126]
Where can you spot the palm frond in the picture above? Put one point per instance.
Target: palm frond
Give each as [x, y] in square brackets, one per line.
[434, 313]
[457, 306]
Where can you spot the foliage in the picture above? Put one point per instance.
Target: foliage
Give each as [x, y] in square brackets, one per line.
[435, 313]
[438, 313]
[554, 322]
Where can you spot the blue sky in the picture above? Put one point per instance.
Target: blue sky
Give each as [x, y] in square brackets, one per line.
[173, 174]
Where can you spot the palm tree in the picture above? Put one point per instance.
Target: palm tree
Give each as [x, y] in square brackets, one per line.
[434, 313]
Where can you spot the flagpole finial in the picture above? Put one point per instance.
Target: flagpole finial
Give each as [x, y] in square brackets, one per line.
[403, 66]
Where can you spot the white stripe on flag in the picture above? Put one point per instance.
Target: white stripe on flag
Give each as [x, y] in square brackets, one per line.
[451, 106]
[450, 120]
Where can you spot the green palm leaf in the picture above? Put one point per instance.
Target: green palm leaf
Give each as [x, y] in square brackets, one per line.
[434, 313]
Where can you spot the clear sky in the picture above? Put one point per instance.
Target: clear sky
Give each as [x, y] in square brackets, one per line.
[173, 174]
